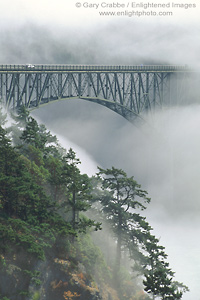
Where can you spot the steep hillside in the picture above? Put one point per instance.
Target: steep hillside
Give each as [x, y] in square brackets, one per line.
[50, 216]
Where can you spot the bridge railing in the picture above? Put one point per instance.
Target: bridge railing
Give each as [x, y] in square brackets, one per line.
[115, 68]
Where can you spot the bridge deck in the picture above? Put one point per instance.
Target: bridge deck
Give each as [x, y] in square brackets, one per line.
[93, 68]
[130, 91]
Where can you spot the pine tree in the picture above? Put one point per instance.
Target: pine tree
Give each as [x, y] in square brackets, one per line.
[19, 193]
[158, 276]
[120, 199]
[79, 193]
[3, 117]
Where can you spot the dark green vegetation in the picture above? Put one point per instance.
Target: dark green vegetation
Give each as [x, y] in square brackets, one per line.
[54, 220]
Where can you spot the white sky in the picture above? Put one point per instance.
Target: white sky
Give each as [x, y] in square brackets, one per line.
[65, 12]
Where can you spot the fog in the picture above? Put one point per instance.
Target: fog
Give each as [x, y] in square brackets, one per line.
[122, 42]
[162, 154]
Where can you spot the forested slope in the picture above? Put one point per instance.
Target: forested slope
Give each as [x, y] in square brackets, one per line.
[64, 235]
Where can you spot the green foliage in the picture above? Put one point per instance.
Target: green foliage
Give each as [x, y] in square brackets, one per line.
[79, 192]
[20, 195]
[158, 276]
[22, 116]
[3, 116]
[37, 135]
[19, 124]
[91, 257]
[43, 197]
[121, 196]
[36, 296]
[25, 207]
[85, 223]
[31, 274]
[16, 233]
[57, 178]
[24, 293]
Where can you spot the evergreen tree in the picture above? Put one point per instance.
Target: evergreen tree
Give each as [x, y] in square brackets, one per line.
[3, 117]
[37, 135]
[20, 119]
[79, 193]
[120, 198]
[38, 180]
[26, 212]
[57, 179]
[158, 276]
[20, 195]
[8, 159]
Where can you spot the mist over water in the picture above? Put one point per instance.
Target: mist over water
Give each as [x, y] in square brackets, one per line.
[162, 155]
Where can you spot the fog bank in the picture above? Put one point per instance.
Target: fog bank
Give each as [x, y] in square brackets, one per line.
[163, 156]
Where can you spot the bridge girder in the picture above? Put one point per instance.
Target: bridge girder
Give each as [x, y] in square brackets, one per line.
[129, 91]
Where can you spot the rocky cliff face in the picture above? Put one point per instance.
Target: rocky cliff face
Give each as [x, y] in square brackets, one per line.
[49, 280]
[60, 281]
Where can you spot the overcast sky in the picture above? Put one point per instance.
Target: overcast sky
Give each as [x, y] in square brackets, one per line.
[65, 13]
[165, 162]
[49, 31]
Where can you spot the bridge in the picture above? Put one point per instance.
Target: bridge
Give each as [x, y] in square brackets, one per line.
[128, 90]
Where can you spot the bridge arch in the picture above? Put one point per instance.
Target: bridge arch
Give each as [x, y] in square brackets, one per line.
[128, 90]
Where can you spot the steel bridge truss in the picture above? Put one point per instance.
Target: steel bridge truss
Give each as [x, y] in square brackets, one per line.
[130, 93]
